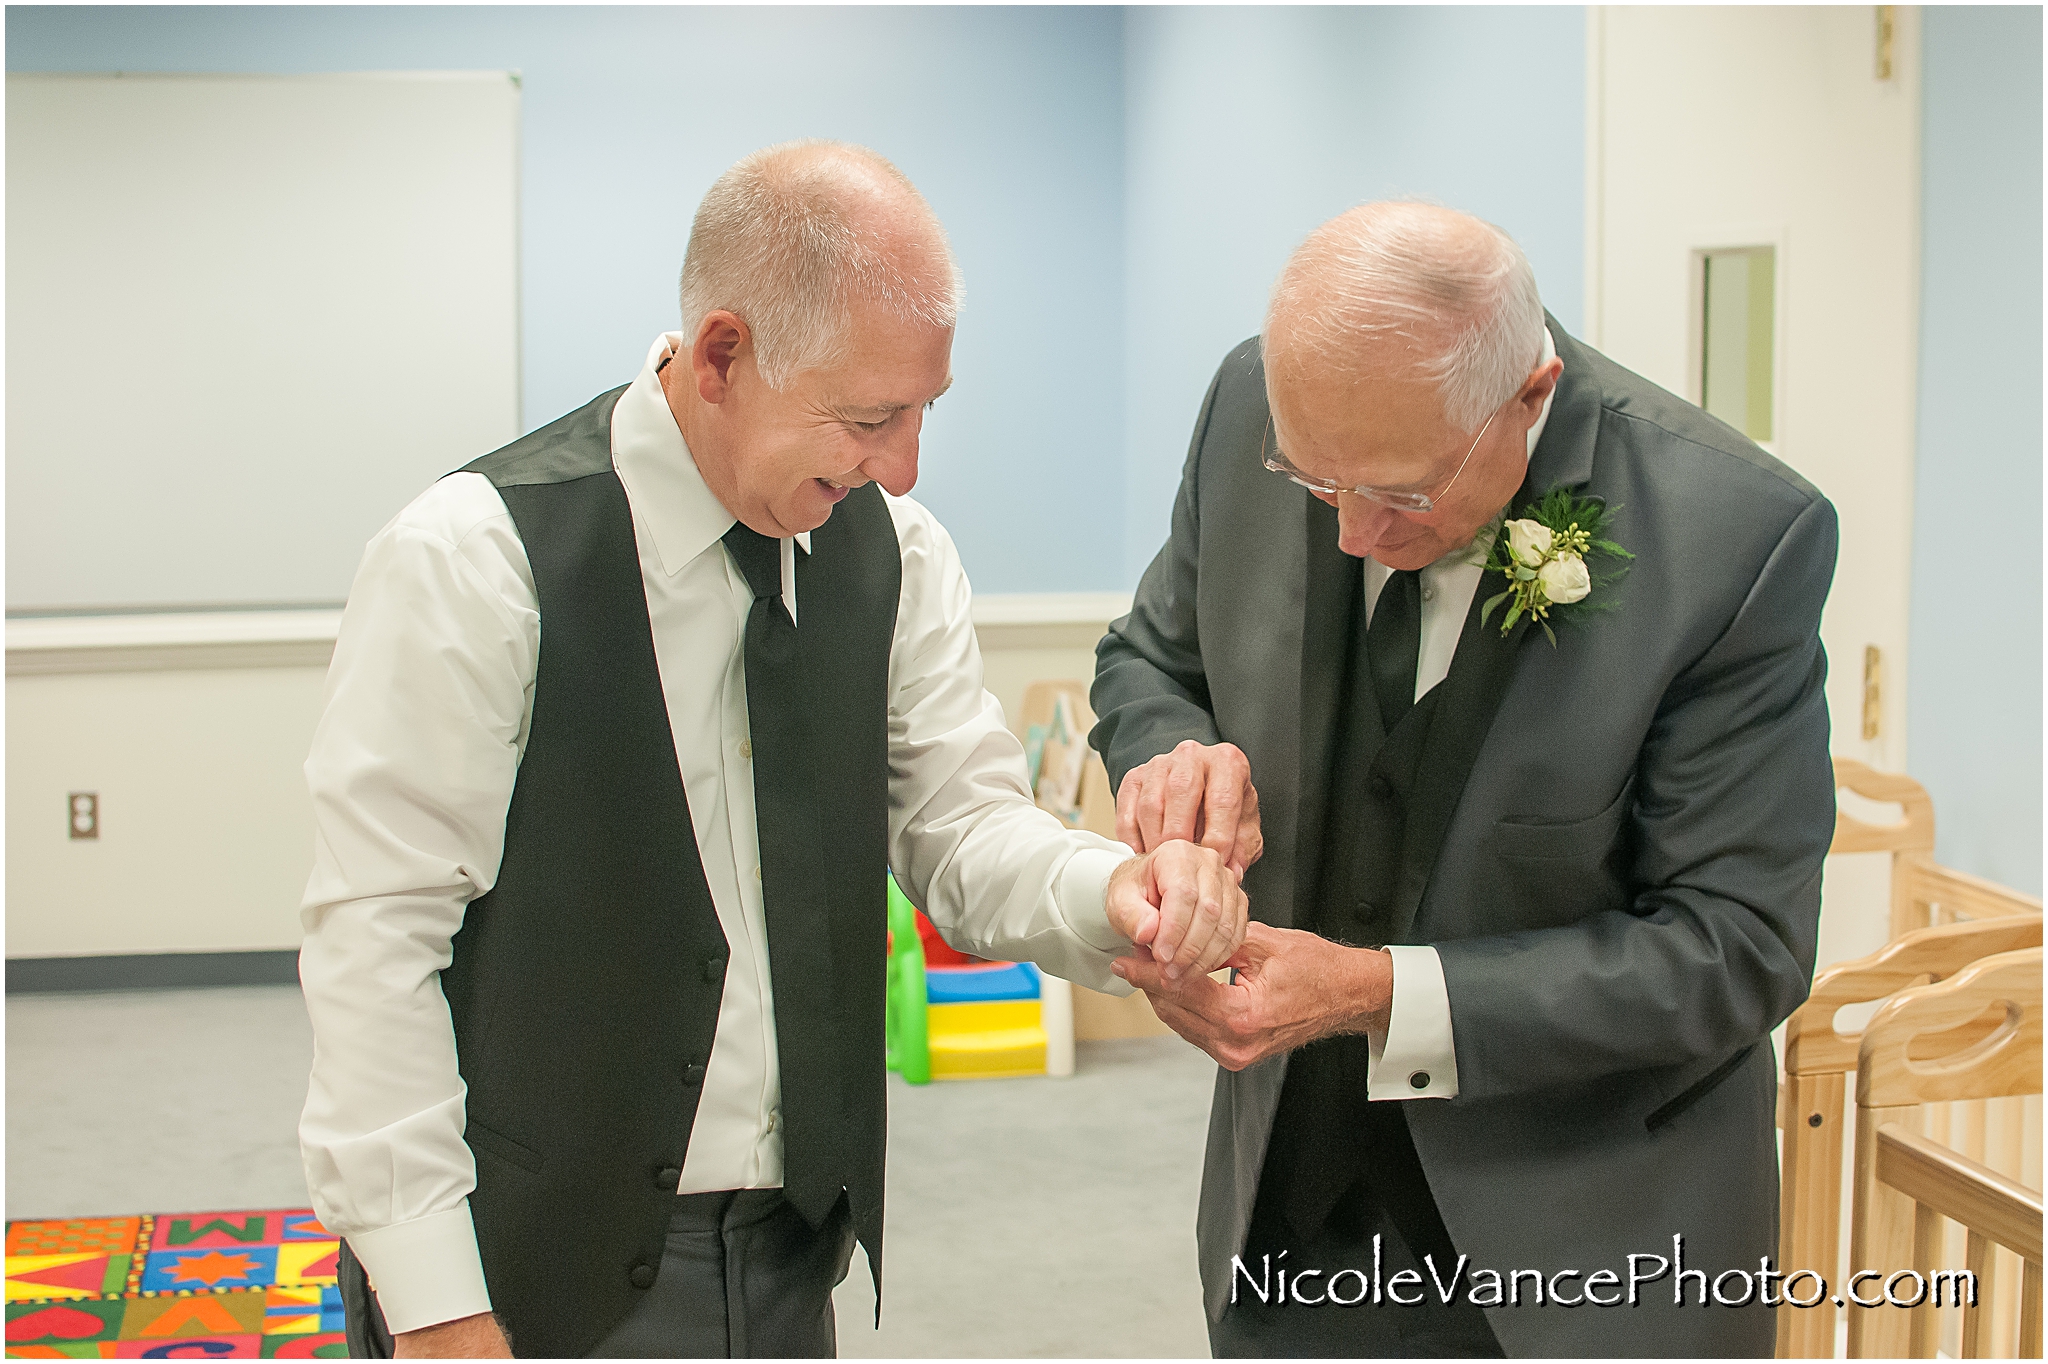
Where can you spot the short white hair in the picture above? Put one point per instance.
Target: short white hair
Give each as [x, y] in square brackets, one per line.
[1455, 294]
[788, 238]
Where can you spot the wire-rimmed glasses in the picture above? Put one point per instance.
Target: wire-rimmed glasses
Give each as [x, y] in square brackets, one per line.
[1272, 458]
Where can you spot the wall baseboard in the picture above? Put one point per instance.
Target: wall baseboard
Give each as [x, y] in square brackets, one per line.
[150, 971]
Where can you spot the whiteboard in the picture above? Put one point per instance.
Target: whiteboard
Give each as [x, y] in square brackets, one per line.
[248, 319]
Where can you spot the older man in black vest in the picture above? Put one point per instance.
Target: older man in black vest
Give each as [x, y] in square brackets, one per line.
[1542, 823]
[625, 722]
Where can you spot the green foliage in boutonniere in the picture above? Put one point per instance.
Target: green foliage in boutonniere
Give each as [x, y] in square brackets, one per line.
[1544, 555]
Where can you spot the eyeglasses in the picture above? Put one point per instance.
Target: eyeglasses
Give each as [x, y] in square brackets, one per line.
[1270, 456]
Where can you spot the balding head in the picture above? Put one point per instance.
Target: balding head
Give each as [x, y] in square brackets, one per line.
[1406, 291]
[1404, 372]
[792, 237]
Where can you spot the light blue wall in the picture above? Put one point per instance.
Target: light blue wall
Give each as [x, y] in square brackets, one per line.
[1247, 127]
[1009, 120]
[1974, 694]
[1121, 186]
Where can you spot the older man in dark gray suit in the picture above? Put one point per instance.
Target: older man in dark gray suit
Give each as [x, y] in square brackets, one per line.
[1556, 869]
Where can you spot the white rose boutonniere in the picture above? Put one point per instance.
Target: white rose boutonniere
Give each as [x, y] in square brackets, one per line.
[1543, 554]
[1529, 541]
[1565, 579]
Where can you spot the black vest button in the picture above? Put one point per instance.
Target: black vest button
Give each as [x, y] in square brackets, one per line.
[1365, 909]
[642, 1276]
[666, 1178]
[693, 1075]
[714, 970]
[1419, 1080]
[1382, 788]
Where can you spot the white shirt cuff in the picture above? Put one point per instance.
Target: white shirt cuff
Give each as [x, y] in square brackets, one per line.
[1417, 1059]
[1083, 897]
[426, 1271]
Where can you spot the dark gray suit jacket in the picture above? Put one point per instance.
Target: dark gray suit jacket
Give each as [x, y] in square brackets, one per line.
[1614, 845]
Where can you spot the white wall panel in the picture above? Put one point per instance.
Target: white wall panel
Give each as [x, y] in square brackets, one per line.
[248, 318]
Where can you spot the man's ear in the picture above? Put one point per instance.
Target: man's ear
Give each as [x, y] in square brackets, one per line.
[722, 337]
[1540, 385]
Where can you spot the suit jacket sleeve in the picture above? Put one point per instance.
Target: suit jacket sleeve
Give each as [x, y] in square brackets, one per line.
[1150, 693]
[1734, 807]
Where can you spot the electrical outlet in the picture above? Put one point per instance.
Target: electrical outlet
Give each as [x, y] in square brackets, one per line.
[84, 807]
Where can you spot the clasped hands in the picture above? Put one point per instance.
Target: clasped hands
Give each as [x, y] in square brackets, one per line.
[1287, 988]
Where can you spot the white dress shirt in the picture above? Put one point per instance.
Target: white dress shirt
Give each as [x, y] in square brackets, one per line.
[1418, 1058]
[412, 767]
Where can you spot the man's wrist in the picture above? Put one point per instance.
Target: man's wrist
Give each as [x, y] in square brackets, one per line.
[1364, 991]
[482, 1334]
[1086, 896]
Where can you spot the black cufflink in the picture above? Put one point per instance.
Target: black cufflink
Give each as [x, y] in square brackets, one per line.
[1419, 1080]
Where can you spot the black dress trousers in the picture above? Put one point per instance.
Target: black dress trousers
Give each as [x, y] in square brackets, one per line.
[743, 1276]
[1389, 1199]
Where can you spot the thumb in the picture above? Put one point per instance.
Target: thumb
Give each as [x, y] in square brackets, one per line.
[1249, 957]
[1133, 900]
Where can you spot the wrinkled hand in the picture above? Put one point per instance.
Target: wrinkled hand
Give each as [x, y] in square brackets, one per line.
[1182, 904]
[1290, 988]
[477, 1337]
[1202, 793]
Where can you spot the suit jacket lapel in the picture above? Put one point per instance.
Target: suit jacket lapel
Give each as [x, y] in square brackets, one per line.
[1335, 583]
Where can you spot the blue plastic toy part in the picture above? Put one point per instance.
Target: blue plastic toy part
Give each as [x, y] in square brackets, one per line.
[981, 984]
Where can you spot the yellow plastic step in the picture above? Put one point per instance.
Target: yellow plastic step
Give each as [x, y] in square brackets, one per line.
[983, 1016]
[988, 1055]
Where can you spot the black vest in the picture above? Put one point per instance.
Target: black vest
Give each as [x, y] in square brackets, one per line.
[585, 986]
[1326, 1134]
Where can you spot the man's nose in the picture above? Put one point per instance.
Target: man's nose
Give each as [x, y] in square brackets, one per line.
[1360, 524]
[895, 467]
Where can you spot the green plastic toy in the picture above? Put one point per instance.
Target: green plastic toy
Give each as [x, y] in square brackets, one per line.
[909, 1044]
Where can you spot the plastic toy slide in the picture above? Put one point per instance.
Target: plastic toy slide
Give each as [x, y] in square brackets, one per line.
[969, 1019]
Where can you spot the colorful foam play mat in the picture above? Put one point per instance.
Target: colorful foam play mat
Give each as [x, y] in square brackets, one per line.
[203, 1285]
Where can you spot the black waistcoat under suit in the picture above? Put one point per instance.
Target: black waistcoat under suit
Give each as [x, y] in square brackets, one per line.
[585, 986]
[1372, 822]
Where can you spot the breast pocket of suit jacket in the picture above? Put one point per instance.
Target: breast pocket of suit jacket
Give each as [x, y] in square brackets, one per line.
[1558, 873]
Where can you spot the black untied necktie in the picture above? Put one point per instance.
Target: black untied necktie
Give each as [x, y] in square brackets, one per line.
[1394, 645]
[792, 886]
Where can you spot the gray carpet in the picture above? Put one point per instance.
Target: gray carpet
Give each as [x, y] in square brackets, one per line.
[1026, 1217]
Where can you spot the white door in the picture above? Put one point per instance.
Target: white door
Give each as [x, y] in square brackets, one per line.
[1773, 132]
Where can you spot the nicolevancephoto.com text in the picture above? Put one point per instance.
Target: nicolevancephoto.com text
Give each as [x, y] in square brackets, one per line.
[1276, 1283]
